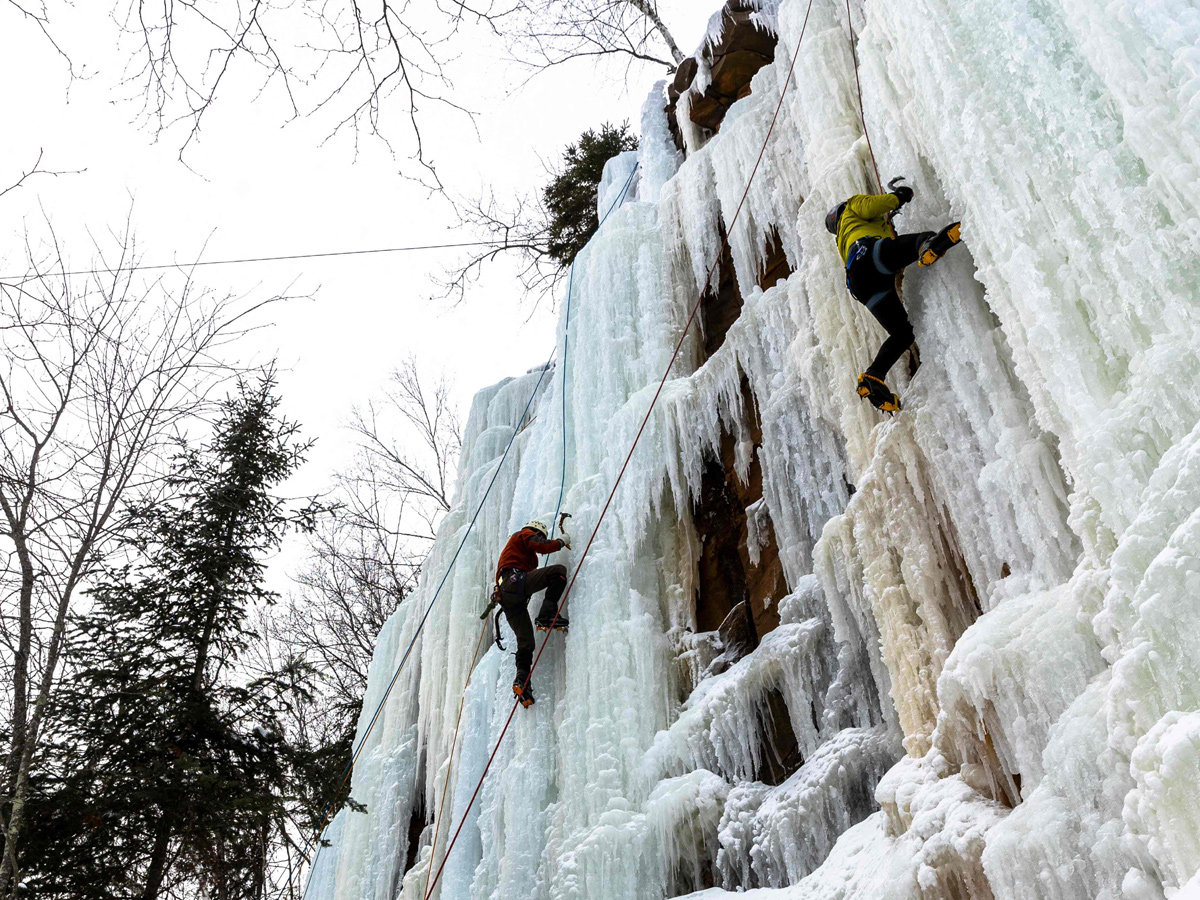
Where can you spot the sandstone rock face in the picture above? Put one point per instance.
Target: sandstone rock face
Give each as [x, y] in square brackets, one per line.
[744, 48]
[740, 577]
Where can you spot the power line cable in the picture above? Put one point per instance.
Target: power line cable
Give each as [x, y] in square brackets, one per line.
[257, 259]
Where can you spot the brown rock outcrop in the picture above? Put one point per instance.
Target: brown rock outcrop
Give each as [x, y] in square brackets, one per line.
[742, 50]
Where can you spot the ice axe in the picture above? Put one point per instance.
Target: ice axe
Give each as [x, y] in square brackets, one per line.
[892, 185]
[562, 528]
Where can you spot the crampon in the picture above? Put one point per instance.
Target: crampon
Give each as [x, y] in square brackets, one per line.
[559, 624]
[937, 246]
[523, 692]
[877, 391]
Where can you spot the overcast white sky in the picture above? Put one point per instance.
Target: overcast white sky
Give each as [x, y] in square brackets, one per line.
[258, 187]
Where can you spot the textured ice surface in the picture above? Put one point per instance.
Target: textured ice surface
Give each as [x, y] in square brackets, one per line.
[1002, 582]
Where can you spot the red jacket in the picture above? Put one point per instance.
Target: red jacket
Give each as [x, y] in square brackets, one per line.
[522, 549]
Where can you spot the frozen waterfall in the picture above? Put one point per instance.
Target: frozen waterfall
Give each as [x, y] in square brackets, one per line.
[965, 661]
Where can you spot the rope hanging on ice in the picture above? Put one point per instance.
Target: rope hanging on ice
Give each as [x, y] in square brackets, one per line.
[862, 115]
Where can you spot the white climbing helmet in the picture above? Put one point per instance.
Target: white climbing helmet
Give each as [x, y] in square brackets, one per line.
[539, 527]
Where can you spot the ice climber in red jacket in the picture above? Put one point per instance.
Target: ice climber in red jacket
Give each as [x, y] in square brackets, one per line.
[518, 579]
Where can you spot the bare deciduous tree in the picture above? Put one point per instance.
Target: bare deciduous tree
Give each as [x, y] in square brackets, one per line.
[409, 445]
[521, 230]
[364, 560]
[97, 374]
[357, 573]
[346, 57]
[553, 32]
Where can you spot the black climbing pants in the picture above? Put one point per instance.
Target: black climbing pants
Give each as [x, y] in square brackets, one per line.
[515, 590]
[872, 281]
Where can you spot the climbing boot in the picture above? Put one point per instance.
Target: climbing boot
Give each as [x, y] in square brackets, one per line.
[545, 623]
[877, 391]
[523, 692]
[935, 248]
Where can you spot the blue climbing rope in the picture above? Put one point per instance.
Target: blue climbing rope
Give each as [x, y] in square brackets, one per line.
[562, 485]
[316, 837]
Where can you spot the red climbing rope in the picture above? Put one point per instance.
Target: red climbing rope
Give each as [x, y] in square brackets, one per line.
[453, 745]
[666, 374]
[861, 112]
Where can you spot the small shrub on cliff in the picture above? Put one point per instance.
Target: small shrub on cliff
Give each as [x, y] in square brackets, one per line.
[570, 197]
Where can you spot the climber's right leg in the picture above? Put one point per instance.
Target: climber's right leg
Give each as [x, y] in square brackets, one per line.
[936, 247]
[890, 255]
[554, 580]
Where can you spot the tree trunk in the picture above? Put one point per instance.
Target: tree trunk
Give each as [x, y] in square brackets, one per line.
[158, 857]
[217, 588]
[15, 827]
[20, 696]
[14, 796]
[646, 8]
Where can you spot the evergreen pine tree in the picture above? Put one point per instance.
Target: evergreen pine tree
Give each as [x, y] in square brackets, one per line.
[166, 775]
[570, 198]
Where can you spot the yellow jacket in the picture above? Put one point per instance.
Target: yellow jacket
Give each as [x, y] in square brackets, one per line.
[865, 216]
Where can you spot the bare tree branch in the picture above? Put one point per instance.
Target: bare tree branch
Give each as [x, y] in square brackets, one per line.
[408, 447]
[520, 231]
[39, 15]
[552, 32]
[36, 169]
[349, 59]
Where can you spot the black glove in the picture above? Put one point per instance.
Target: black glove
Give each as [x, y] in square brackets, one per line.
[904, 192]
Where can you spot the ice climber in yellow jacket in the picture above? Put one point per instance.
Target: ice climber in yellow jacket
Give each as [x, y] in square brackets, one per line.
[874, 254]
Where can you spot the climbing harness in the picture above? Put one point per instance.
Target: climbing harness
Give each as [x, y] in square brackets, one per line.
[637, 438]
[859, 249]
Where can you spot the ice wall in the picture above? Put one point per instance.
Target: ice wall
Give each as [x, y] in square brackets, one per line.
[999, 587]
